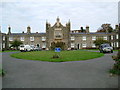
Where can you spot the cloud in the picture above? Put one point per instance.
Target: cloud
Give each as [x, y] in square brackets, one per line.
[21, 14]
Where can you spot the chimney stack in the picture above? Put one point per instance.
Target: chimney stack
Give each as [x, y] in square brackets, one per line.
[87, 29]
[28, 30]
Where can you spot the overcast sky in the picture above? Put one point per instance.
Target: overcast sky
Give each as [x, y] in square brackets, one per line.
[21, 14]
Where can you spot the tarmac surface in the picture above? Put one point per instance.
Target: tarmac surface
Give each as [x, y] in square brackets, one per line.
[73, 74]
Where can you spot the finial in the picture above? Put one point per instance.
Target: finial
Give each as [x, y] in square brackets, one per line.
[47, 21]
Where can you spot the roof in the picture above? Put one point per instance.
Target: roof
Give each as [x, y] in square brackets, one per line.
[27, 34]
[91, 33]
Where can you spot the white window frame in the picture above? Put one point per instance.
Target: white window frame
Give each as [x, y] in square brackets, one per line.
[9, 44]
[84, 45]
[10, 38]
[93, 37]
[93, 45]
[31, 38]
[22, 38]
[3, 38]
[117, 44]
[84, 38]
[3, 45]
[43, 45]
[117, 36]
[111, 37]
[72, 45]
[112, 44]
[105, 37]
[72, 38]
[43, 38]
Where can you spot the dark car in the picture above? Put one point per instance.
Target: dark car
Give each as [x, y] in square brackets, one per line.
[105, 48]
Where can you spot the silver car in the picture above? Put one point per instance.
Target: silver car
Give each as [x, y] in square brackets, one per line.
[105, 48]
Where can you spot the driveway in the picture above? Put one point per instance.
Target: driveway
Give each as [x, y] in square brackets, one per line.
[74, 74]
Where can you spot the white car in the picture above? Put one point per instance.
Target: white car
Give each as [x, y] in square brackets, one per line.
[25, 48]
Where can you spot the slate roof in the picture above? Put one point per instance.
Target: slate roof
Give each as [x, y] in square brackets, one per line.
[27, 34]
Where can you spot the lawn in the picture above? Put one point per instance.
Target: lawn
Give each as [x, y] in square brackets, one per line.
[64, 55]
[9, 51]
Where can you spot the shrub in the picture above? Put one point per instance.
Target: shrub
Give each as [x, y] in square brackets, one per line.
[56, 56]
[116, 66]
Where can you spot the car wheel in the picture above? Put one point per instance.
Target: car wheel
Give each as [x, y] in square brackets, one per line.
[111, 51]
[101, 51]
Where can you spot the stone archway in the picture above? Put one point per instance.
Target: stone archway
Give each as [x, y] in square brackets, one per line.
[62, 45]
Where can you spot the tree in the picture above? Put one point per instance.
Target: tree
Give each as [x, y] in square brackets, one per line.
[105, 28]
[16, 43]
[100, 41]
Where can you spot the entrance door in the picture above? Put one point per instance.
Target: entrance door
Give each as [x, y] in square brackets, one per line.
[78, 46]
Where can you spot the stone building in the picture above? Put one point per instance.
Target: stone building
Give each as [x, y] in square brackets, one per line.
[74, 39]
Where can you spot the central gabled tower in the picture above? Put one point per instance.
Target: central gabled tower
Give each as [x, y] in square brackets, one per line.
[57, 33]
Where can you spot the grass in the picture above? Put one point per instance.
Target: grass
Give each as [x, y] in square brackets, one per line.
[64, 55]
[10, 51]
[95, 49]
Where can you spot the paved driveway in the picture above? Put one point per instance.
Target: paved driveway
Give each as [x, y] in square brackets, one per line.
[76, 74]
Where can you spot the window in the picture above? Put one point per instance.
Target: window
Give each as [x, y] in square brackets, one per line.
[58, 34]
[94, 38]
[84, 45]
[3, 38]
[111, 44]
[84, 38]
[44, 45]
[117, 44]
[9, 45]
[117, 36]
[112, 37]
[3, 45]
[22, 38]
[10, 38]
[31, 38]
[43, 38]
[72, 38]
[114, 44]
[72, 45]
[105, 37]
[93, 45]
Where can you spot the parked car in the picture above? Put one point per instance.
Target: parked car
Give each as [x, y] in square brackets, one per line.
[32, 47]
[25, 48]
[37, 49]
[105, 48]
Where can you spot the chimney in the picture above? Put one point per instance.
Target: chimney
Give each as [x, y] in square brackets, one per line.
[28, 30]
[87, 29]
[116, 27]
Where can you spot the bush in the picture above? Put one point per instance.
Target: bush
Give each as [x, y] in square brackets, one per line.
[113, 71]
[56, 56]
[116, 66]
[2, 72]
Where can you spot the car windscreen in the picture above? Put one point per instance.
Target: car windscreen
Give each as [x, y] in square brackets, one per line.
[106, 45]
[21, 46]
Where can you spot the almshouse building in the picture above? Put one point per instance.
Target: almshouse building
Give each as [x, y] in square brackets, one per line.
[74, 39]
